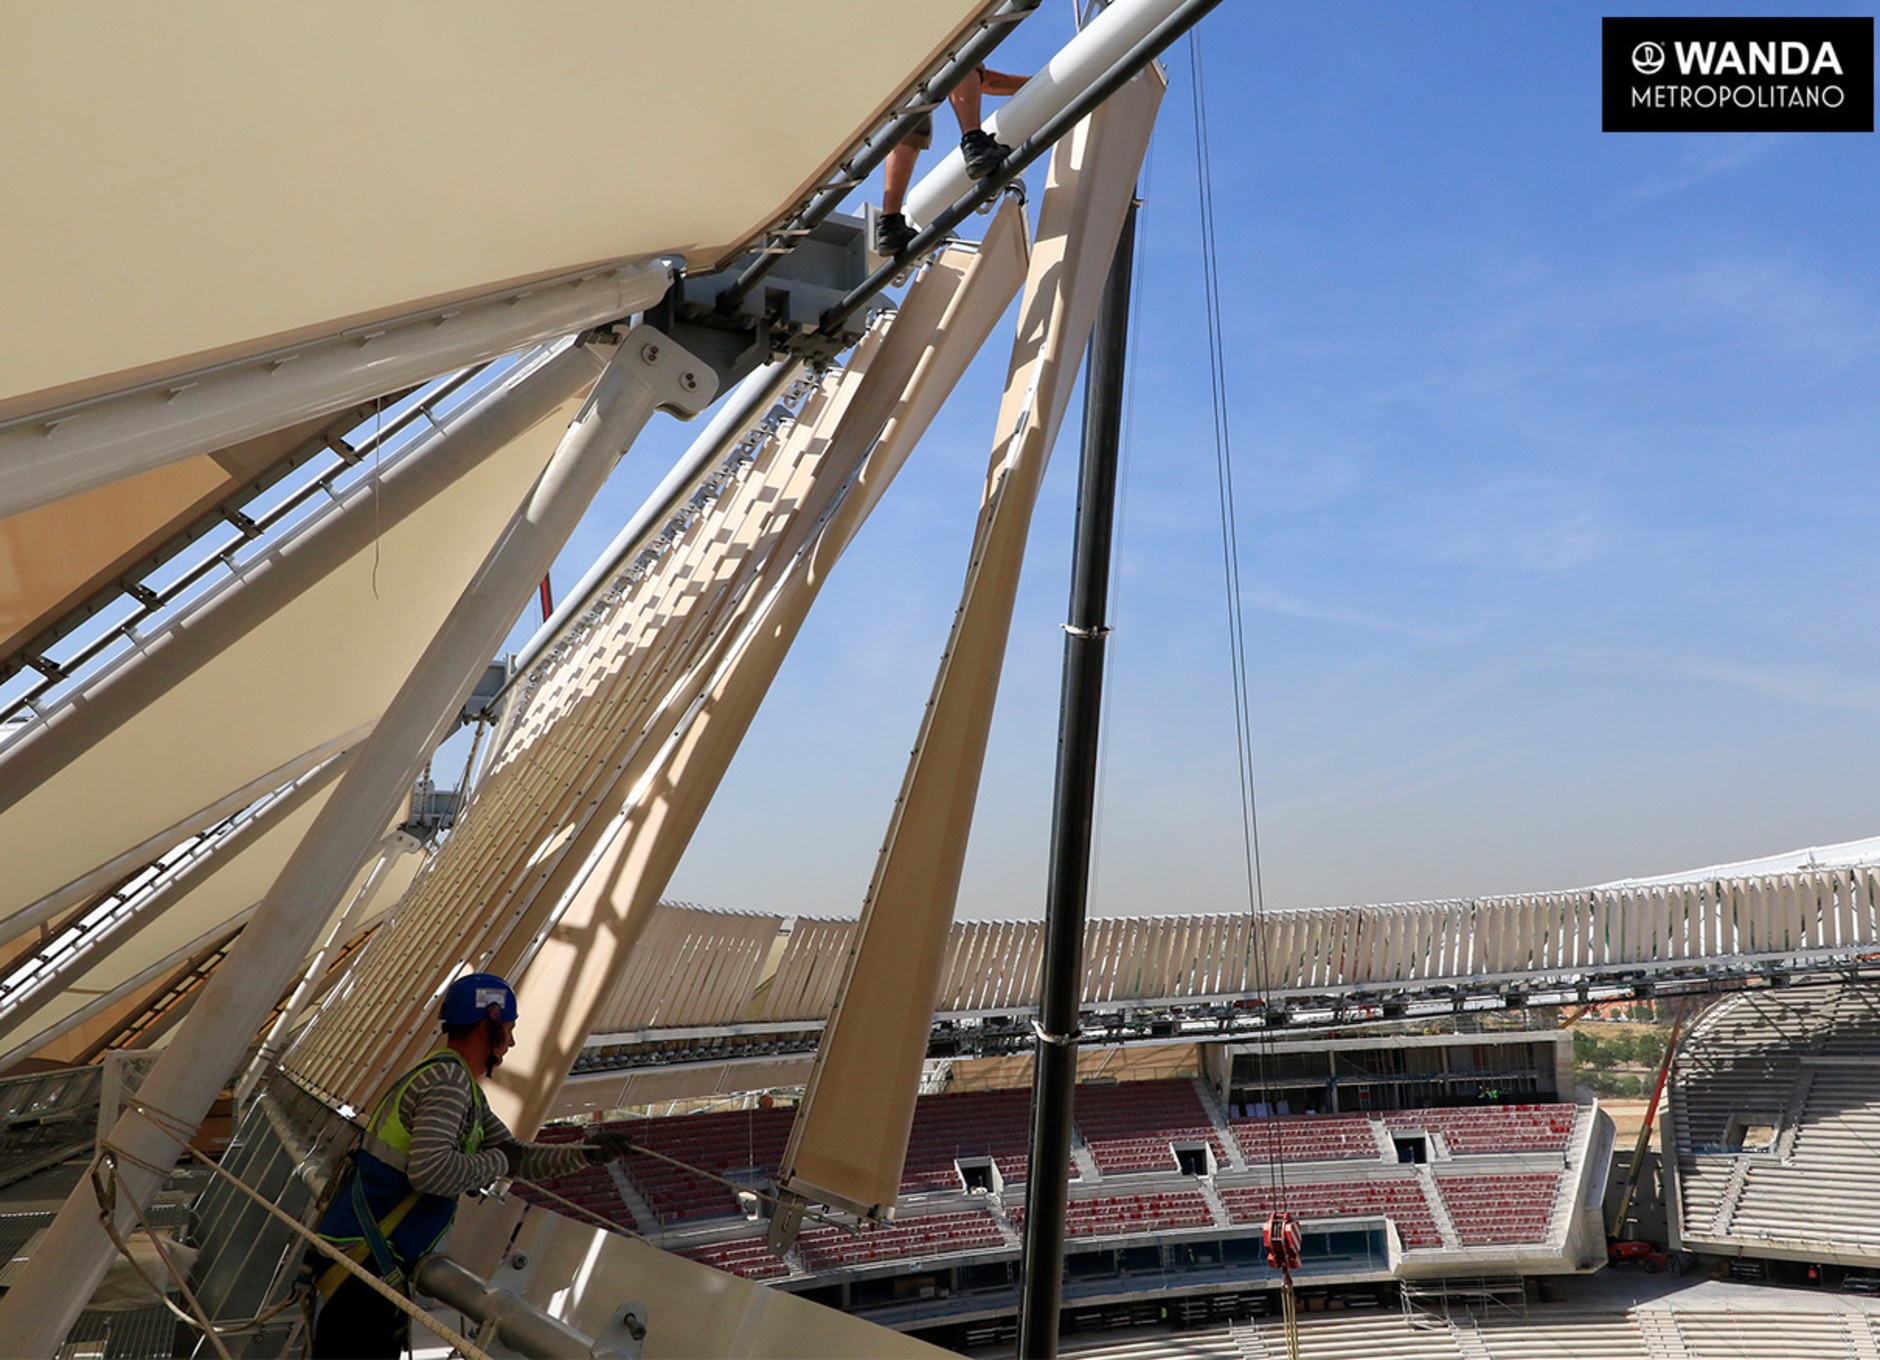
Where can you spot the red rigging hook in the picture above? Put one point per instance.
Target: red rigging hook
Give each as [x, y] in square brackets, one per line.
[1282, 1242]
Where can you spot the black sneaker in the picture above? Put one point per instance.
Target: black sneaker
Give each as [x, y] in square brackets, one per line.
[983, 154]
[892, 234]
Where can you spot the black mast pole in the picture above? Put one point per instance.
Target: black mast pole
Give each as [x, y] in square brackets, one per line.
[1054, 1079]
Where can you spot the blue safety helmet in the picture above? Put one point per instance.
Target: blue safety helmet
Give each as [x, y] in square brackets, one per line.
[469, 998]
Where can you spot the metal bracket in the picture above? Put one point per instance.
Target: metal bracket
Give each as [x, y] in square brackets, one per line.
[485, 703]
[780, 316]
[786, 1220]
[682, 381]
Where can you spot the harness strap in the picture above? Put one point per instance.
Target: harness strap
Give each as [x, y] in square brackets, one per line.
[376, 1233]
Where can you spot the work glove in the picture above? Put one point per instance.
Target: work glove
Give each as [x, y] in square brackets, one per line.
[512, 1154]
[604, 1145]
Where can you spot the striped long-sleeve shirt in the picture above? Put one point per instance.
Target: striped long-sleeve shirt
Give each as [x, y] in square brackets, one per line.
[438, 1109]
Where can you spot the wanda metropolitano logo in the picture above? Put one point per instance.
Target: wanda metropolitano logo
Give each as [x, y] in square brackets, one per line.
[1738, 75]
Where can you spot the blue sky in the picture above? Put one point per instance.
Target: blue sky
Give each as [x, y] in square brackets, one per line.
[1558, 494]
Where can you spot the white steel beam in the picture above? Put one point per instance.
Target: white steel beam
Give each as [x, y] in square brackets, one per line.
[49, 455]
[397, 844]
[121, 755]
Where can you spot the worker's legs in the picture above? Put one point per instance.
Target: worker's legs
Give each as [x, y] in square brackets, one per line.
[892, 230]
[981, 153]
[358, 1323]
[895, 176]
[965, 101]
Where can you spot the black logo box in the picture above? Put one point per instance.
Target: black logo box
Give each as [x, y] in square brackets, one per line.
[1678, 96]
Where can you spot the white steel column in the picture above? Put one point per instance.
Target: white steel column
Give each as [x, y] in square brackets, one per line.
[394, 846]
[649, 371]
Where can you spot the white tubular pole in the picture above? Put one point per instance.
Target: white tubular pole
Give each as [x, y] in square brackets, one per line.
[390, 849]
[649, 371]
[54, 454]
[1104, 41]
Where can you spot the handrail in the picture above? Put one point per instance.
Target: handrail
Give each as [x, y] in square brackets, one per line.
[515, 1321]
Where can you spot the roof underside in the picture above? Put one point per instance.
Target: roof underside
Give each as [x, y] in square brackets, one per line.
[294, 169]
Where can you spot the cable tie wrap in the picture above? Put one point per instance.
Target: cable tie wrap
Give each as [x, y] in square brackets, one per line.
[1062, 1040]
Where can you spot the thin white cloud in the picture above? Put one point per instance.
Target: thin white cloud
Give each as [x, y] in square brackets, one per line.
[1703, 157]
[1275, 601]
[1517, 528]
[1797, 685]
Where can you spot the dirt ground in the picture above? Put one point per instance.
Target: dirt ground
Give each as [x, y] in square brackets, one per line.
[1627, 1115]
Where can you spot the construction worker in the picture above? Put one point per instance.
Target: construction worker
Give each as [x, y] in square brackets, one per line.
[432, 1138]
[982, 154]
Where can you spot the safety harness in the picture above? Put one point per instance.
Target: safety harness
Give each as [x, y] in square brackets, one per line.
[387, 1142]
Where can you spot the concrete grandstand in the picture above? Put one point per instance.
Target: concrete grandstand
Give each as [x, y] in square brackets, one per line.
[1174, 1180]
[1775, 1123]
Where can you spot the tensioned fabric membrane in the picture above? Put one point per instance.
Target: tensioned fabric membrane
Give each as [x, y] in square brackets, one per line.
[849, 1139]
[222, 896]
[186, 720]
[53, 557]
[199, 182]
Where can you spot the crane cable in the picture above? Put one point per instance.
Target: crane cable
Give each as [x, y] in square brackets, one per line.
[1279, 1221]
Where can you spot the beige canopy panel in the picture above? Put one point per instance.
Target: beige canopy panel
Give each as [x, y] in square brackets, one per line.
[714, 963]
[617, 742]
[212, 180]
[234, 886]
[53, 558]
[993, 966]
[210, 705]
[138, 1012]
[850, 1136]
[585, 1094]
[207, 905]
